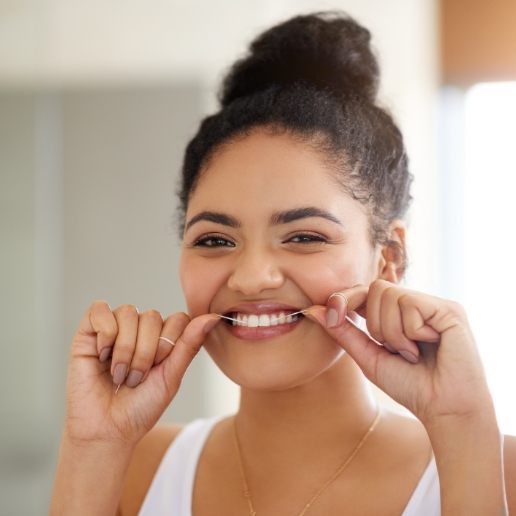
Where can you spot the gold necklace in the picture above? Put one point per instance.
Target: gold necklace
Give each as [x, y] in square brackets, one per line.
[339, 470]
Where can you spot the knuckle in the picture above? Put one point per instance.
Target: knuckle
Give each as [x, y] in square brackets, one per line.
[177, 322]
[99, 304]
[456, 308]
[152, 314]
[379, 283]
[390, 294]
[127, 310]
[405, 300]
[109, 331]
[181, 317]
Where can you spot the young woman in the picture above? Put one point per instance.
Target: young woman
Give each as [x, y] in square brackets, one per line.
[292, 204]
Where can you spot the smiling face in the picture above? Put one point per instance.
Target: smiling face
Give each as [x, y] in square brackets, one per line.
[269, 230]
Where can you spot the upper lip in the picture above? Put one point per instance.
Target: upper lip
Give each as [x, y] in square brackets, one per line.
[262, 307]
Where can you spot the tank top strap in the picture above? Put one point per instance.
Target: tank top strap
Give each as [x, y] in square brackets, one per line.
[170, 492]
[426, 498]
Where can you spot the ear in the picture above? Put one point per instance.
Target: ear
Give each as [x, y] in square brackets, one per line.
[391, 266]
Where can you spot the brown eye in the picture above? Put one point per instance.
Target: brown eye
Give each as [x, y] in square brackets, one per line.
[213, 241]
[305, 238]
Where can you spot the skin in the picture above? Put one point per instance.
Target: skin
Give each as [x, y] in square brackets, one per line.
[303, 394]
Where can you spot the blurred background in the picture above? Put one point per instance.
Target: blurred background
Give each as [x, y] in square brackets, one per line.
[97, 102]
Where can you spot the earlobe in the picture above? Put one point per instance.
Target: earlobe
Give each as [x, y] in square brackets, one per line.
[387, 268]
[392, 262]
[390, 272]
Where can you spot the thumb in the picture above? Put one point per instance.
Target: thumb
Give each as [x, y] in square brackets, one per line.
[187, 346]
[364, 350]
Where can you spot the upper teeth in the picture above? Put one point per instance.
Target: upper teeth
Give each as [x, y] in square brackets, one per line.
[254, 320]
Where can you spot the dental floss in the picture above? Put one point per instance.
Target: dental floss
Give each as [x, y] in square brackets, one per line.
[231, 318]
[295, 313]
[118, 388]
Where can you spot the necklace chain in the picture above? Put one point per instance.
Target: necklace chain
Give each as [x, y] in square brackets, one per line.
[339, 470]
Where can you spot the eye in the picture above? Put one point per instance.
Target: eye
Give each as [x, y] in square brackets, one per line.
[306, 238]
[213, 241]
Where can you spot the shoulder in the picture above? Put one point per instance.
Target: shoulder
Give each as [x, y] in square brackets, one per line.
[510, 471]
[145, 460]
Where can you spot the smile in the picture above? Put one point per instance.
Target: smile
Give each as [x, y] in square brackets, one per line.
[262, 320]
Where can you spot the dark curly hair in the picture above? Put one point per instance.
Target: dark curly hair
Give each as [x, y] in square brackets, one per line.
[315, 78]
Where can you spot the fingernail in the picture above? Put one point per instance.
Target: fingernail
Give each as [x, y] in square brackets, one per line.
[104, 354]
[210, 325]
[134, 378]
[337, 306]
[407, 355]
[119, 373]
[332, 318]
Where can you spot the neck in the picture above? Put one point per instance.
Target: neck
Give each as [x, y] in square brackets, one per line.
[333, 410]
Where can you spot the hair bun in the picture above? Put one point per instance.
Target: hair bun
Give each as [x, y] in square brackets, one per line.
[328, 50]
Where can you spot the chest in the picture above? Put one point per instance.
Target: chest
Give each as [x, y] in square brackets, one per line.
[218, 489]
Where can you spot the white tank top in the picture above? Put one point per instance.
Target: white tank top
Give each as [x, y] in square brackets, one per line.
[170, 493]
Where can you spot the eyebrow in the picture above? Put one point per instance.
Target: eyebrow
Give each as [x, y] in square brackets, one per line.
[284, 217]
[281, 217]
[213, 216]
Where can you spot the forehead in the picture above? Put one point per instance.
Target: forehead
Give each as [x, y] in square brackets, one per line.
[264, 172]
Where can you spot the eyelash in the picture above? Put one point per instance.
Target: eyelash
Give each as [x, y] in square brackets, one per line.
[313, 239]
[201, 242]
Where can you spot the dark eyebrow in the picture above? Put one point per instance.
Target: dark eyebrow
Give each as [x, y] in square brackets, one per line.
[283, 217]
[213, 216]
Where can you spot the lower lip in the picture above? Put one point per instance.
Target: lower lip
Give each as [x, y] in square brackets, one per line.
[262, 332]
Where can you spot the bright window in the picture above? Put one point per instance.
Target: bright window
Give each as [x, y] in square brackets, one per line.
[488, 261]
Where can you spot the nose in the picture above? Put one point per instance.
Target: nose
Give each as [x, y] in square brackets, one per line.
[255, 271]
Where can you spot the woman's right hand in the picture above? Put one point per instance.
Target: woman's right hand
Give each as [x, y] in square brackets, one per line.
[121, 346]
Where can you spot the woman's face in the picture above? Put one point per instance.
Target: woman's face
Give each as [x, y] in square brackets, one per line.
[269, 231]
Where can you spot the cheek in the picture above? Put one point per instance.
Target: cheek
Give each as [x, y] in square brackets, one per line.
[322, 277]
[200, 284]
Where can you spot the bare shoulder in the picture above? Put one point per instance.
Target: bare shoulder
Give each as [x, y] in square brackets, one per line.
[144, 462]
[510, 471]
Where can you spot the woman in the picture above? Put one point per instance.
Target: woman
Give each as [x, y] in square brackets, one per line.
[292, 202]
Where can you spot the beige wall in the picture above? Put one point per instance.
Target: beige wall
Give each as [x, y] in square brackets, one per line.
[478, 41]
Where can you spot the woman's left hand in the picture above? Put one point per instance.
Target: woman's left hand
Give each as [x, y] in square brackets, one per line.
[444, 377]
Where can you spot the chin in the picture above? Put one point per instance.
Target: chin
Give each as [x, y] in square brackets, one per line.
[274, 370]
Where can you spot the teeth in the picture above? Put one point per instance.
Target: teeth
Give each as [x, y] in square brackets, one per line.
[253, 321]
[263, 320]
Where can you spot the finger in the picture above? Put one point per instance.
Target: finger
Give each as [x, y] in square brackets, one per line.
[392, 326]
[149, 329]
[413, 308]
[374, 302]
[127, 319]
[97, 330]
[187, 346]
[362, 349]
[340, 303]
[173, 326]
